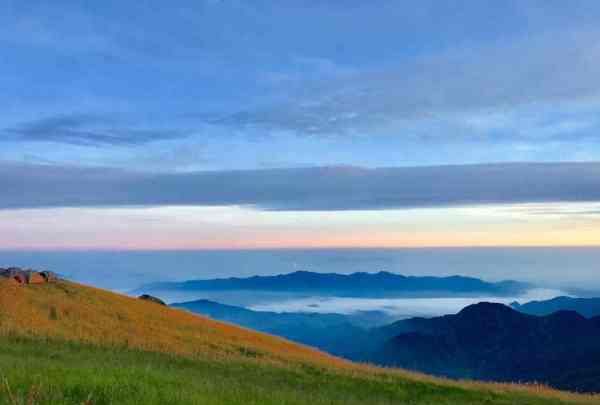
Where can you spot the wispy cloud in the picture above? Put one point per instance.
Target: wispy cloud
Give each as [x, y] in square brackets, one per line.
[588, 211]
[472, 79]
[88, 130]
[303, 189]
[429, 82]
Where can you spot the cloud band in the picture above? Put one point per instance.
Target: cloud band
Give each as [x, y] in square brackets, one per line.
[304, 189]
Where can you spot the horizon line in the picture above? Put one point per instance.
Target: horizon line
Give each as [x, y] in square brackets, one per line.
[280, 248]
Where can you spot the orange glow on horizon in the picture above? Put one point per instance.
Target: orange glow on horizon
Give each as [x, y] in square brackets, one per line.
[197, 228]
[458, 241]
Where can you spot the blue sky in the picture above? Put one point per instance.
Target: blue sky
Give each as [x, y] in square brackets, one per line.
[160, 105]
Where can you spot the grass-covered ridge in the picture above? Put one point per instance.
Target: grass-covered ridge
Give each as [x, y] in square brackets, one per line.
[69, 344]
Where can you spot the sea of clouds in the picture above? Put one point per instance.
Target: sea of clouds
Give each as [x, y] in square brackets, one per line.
[397, 307]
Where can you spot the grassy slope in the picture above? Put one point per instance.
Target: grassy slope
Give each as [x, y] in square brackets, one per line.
[65, 343]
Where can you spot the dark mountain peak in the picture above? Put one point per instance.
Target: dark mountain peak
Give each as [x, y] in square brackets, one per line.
[486, 308]
[297, 273]
[493, 341]
[457, 277]
[493, 317]
[201, 301]
[387, 273]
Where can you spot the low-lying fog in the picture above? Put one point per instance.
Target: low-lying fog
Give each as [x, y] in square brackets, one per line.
[397, 307]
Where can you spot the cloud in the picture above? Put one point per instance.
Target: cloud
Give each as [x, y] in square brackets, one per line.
[302, 189]
[589, 211]
[398, 307]
[253, 65]
[89, 130]
[498, 77]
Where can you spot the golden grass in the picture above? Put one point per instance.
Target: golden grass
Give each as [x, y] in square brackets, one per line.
[70, 311]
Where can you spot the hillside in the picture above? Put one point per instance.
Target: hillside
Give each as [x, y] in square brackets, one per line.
[63, 343]
[588, 307]
[334, 333]
[70, 311]
[381, 284]
[494, 342]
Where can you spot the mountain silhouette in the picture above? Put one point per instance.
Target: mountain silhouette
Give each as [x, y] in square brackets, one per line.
[588, 307]
[379, 284]
[494, 342]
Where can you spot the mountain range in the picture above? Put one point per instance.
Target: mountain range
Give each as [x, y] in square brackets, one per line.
[588, 307]
[483, 341]
[381, 284]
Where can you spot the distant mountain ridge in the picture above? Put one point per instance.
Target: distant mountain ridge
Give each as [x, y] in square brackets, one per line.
[588, 307]
[362, 284]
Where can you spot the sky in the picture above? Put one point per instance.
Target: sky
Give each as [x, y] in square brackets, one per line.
[222, 124]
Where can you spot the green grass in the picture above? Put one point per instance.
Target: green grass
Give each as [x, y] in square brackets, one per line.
[39, 371]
